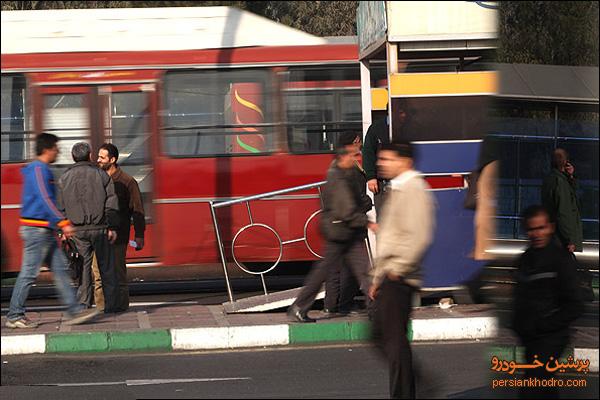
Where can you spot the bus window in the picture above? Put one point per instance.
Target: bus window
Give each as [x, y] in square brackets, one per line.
[68, 117]
[321, 103]
[14, 129]
[127, 127]
[222, 112]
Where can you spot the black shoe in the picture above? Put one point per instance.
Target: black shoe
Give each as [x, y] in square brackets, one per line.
[295, 313]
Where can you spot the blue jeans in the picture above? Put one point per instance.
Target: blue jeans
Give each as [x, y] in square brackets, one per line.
[41, 244]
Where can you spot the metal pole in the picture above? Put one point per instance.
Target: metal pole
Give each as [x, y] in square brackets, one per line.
[365, 93]
[370, 254]
[221, 251]
[321, 197]
[262, 278]
[249, 213]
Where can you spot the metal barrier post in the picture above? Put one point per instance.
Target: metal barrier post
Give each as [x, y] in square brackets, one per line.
[369, 252]
[247, 200]
[221, 251]
[262, 278]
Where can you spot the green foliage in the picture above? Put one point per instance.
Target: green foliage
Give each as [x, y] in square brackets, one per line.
[549, 32]
[321, 18]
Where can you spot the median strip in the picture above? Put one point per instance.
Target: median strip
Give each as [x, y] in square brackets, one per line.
[232, 337]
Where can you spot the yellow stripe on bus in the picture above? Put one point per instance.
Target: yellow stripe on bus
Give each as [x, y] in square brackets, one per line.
[443, 84]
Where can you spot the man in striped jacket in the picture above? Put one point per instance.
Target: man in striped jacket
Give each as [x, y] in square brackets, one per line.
[40, 219]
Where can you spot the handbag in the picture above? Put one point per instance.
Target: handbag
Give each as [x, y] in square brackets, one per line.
[74, 259]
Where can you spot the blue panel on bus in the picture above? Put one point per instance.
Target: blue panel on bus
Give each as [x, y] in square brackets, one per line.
[447, 157]
[447, 261]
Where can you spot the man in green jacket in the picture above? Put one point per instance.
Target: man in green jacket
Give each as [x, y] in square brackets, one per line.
[560, 198]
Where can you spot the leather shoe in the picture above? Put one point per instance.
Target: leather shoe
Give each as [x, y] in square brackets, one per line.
[295, 313]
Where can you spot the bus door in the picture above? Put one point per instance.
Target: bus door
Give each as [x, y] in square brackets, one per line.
[120, 114]
[127, 122]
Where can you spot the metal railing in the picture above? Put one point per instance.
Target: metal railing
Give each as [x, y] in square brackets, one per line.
[247, 200]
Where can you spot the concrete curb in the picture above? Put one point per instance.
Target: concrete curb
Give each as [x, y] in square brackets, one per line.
[234, 337]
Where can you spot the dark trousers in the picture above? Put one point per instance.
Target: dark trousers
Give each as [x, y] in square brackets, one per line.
[89, 242]
[122, 302]
[340, 288]
[544, 347]
[351, 255]
[390, 327]
[380, 197]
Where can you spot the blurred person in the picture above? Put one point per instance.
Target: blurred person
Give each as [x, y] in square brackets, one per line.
[403, 235]
[343, 224]
[546, 297]
[88, 198]
[559, 196]
[483, 201]
[131, 209]
[377, 135]
[341, 285]
[40, 219]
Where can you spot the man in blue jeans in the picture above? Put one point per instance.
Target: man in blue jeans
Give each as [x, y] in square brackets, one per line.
[40, 219]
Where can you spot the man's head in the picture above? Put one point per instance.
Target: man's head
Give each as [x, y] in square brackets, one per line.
[560, 157]
[108, 156]
[81, 151]
[46, 147]
[348, 149]
[394, 159]
[536, 221]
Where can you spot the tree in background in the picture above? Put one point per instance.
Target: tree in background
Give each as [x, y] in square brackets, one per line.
[548, 32]
[540, 32]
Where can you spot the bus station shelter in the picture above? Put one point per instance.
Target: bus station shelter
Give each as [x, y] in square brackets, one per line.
[427, 67]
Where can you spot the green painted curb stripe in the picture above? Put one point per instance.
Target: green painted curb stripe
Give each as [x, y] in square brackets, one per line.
[107, 341]
[329, 332]
[76, 342]
[145, 340]
[334, 332]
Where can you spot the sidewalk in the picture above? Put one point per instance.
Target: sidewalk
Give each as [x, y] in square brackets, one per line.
[196, 327]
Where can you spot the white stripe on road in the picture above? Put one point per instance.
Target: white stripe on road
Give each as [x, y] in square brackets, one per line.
[230, 337]
[141, 382]
[23, 344]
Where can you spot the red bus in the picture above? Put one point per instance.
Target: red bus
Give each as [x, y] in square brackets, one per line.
[192, 126]
[196, 120]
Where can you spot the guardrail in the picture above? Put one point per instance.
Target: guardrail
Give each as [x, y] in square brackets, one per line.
[247, 200]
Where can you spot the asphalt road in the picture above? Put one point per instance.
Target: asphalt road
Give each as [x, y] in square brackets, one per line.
[450, 370]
